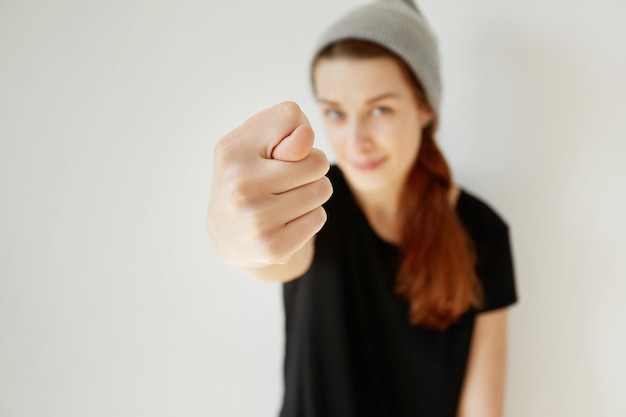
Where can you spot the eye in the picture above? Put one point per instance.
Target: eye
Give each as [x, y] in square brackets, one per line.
[380, 110]
[333, 114]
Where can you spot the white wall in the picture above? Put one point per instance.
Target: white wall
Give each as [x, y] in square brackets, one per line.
[112, 301]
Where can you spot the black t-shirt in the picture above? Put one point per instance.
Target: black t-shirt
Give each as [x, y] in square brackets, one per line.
[350, 350]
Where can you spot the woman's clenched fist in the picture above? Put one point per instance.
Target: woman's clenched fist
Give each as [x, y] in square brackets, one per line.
[267, 189]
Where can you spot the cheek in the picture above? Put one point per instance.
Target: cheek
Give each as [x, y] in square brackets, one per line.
[412, 150]
[409, 144]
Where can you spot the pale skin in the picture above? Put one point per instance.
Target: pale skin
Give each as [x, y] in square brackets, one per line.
[266, 195]
[269, 185]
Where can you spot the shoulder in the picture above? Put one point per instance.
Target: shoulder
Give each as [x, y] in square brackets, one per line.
[490, 236]
[480, 217]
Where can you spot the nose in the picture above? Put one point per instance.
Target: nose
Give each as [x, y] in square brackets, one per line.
[358, 135]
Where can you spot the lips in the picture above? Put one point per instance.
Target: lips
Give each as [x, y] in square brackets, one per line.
[368, 165]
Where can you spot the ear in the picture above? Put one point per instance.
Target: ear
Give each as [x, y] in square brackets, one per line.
[426, 115]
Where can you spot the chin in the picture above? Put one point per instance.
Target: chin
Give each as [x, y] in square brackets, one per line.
[367, 181]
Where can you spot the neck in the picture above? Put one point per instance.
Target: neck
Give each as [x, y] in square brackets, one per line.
[382, 210]
[386, 205]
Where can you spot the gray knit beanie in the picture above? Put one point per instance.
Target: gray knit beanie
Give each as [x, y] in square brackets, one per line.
[398, 26]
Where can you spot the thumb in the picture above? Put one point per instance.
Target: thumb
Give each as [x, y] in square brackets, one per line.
[296, 146]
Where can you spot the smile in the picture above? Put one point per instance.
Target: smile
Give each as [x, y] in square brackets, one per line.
[368, 165]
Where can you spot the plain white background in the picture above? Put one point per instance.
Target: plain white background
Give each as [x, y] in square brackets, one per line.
[112, 300]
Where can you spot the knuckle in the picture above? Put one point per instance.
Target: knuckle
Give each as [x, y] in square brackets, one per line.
[290, 108]
[224, 150]
[239, 194]
[319, 161]
[325, 188]
[274, 250]
[319, 217]
[261, 223]
[319, 190]
[291, 113]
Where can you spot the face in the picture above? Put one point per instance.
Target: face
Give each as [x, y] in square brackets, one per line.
[372, 119]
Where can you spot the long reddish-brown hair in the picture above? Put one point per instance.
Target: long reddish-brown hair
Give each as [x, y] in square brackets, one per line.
[437, 271]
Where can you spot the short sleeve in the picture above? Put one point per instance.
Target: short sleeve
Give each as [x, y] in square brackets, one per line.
[491, 238]
[497, 273]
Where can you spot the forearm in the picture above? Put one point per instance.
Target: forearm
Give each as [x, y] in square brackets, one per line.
[484, 387]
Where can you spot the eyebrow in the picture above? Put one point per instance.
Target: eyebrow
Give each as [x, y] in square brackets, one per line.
[371, 100]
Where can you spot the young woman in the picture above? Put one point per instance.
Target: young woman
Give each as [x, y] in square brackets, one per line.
[395, 287]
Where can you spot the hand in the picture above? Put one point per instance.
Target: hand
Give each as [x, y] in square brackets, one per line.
[268, 187]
